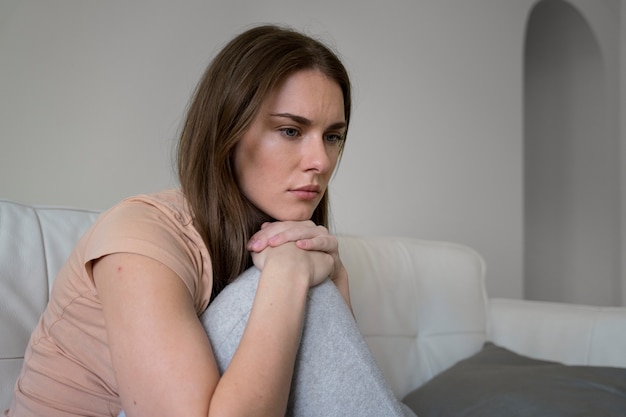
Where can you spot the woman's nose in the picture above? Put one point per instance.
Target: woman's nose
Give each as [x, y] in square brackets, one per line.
[316, 155]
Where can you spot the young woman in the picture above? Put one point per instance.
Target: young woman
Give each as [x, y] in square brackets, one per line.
[122, 330]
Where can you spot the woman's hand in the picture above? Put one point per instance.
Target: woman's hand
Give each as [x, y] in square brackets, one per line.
[307, 236]
[315, 265]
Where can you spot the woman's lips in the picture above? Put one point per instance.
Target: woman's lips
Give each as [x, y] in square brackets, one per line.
[308, 192]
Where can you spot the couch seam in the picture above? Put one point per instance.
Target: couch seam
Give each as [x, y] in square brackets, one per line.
[44, 250]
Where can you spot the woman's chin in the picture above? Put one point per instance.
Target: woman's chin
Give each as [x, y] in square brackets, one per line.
[293, 216]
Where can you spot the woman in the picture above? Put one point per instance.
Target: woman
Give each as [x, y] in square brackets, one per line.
[263, 135]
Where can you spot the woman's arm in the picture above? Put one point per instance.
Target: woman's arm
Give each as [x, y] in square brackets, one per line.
[162, 358]
[270, 342]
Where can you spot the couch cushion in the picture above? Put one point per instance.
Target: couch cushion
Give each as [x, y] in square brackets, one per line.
[498, 382]
[431, 304]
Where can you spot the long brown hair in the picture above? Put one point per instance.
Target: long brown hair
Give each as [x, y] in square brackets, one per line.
[225, 103]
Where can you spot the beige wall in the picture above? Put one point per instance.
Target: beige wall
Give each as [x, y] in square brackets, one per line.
[92, 94]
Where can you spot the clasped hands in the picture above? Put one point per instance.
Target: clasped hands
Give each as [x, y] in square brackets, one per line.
[301, 242]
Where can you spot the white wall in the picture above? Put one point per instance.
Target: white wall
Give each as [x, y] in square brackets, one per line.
[92, 94]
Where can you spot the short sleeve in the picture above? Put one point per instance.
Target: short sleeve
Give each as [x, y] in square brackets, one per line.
[156, 231]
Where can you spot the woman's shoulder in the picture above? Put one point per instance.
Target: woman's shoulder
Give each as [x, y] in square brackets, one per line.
[170, 202]
[151, 218]
[160, 226]
[162, 216]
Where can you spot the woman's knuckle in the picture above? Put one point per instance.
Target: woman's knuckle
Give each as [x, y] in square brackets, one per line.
[322, 229]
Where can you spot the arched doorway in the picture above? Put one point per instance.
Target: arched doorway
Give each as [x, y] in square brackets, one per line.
[571, 163]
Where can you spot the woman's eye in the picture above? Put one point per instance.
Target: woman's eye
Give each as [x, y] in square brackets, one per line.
[334, 138]
[289, 132]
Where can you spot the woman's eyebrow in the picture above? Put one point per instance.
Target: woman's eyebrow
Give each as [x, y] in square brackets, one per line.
[298, 119]
[306, 122]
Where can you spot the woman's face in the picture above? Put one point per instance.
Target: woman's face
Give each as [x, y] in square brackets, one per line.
[284, 161]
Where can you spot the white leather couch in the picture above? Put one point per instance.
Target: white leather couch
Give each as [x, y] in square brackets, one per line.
[421, 305]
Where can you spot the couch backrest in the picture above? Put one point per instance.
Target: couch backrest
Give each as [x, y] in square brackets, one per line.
[421, 305]
[34, 242]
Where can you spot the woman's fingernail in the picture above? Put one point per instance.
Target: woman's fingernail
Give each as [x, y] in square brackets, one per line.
[254, 245]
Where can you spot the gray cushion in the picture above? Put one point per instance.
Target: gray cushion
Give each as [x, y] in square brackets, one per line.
[497, 382]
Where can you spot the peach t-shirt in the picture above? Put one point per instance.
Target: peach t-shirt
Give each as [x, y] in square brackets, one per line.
[67, 367]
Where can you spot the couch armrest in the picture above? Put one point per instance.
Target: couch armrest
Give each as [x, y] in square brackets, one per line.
[568, 333]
